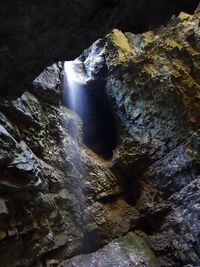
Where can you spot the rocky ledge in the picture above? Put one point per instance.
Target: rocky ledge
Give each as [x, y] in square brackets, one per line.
[60, 201]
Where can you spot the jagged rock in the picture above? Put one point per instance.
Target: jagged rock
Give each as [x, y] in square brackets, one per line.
[47, 85]
[8, 145]
[52, 173]
[11, 129]
[182, 224]
[24, 108]
[3, 207]
[155, 99]
[94, 60]
[23, 172]
[128, 251]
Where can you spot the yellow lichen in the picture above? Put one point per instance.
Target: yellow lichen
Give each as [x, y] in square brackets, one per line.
[121, 43]
[150, 69]
[148, 37]
[184, 16]
[170, 42]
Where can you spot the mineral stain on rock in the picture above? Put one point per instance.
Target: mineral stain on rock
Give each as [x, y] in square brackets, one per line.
[62, 204]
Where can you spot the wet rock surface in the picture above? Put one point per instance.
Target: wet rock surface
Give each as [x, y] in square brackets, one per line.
[59, 200]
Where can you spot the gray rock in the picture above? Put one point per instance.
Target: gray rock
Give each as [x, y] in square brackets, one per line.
[7, 148]
[47, 85]
[3, 207]
[128, 251]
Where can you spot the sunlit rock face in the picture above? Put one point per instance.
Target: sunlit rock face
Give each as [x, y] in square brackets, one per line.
[60, 200]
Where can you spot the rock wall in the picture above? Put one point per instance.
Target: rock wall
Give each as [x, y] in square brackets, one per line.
[58, 199]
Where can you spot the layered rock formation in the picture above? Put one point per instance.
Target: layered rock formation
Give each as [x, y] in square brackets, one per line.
[59, 199]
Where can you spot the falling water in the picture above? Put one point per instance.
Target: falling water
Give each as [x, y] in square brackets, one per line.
[75, 91]
[87, 97]
[74, 97]
[75, 80]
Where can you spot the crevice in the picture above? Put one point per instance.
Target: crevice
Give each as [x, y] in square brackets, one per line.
[91, 243]
[94, 108]
[99, 129]
[181, 142]
[132, 189]
[152, 221]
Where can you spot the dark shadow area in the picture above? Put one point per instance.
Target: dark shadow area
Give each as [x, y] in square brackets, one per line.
[130, 174]
[99, 129]
[132, 190]
[146, 15]
[153, 220]
[92, 242]
[46, 32]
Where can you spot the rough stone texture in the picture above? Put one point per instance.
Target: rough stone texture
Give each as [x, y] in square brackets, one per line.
[35, 34]
[153, 84]
[47, 85]
[127, 251]
[58, 199]
[52, 185]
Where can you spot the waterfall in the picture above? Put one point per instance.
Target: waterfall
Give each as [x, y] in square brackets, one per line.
[87, 97]
[75, 81]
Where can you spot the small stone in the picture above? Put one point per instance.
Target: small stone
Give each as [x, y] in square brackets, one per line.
[3, 207]
[12, 232]
[51, 263]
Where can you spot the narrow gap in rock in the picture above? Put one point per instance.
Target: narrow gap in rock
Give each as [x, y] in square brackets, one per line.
[99, 132]
[130, 179]
[152, 222]
[90, 101]
[91, 242]
[132, 190]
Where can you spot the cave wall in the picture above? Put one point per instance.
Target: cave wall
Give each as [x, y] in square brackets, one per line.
[58, 199]
[35, 34]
